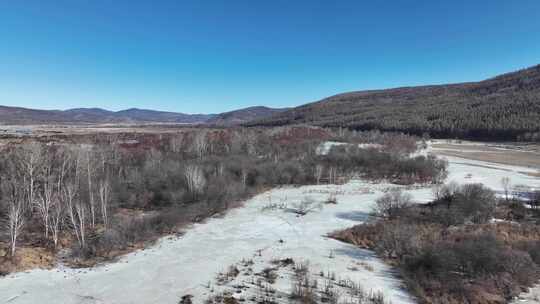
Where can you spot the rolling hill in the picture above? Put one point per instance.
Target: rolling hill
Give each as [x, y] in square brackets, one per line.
[24, 116]
[503, 107]
[243, 115]
[506, 107]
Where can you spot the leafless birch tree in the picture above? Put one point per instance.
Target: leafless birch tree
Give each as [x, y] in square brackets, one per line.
[244, 177]
[16, 221]
[56, 220]
[76, 212]
[90, 169]
[104, 189]
[200, 143]
[332, 175]
[505, 182]
[195, 179]
[45, 201]
[175, 143]
[29, 162]
[16, 208]
[318, 172]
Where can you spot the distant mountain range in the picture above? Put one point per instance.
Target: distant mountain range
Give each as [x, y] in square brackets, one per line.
[503, 107]
[24, 116]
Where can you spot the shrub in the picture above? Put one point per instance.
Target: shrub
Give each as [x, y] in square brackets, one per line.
[392, 204]
[456, 205]
[476, 202]
[465, 263]
[306, 205]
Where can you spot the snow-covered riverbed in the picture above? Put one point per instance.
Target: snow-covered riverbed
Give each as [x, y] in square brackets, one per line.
[178, 266]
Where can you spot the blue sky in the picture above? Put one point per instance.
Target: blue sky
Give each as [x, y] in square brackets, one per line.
[212, 56]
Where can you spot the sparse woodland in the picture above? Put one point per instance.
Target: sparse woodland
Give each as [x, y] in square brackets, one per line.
[96, 197]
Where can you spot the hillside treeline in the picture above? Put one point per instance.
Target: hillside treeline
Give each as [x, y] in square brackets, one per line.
[502, 108]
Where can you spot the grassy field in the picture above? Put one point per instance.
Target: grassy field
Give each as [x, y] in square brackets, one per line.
[507, 154]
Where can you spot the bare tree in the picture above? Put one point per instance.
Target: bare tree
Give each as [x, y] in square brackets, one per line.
[200, 143]
[76, 211]
[250, 142]
[447, 193]
[235, 143]
[90, 169]
[65, 160]
[48, 190]
[220, 169]
[16, 222]
[398, 240]
[332, 175]
[341, 132]
[56, 220]
[104, 189]
[318, 172]
[175, 143]
[51, 205]
[80, 210]
[535, 199]
[195, 179]
[45, 201]
[392, 203]
[16, 208]
[305, 206]
[438, 190]
[154, 159]
[244, 177]
[505, 182]
[29, 161]
[58, 212]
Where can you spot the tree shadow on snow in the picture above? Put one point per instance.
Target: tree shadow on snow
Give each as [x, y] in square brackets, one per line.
[355, 216]
[388, 274]
[355, 252]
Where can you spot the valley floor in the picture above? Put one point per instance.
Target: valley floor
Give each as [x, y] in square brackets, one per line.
[519, 154]
[260, 232]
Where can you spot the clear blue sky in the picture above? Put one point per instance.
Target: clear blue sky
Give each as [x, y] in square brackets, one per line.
[212, 56]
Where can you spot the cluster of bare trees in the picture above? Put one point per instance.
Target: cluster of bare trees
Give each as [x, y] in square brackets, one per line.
[68, 190]
[372, 163]
[330, 175]
[392, 203]
[63, 189]
[195, 179]
[74, 192]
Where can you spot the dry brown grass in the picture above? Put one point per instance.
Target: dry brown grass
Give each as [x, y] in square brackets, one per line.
[517, 155]
[26, 258]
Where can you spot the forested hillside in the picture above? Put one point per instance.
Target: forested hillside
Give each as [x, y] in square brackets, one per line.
[506, 107]
[240, 116]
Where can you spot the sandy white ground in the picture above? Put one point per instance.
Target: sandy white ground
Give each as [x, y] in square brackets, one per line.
[179, 266]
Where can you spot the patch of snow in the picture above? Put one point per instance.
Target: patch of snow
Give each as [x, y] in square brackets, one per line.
[178, 266]
[490, 174]
[324, 148]
[532, 296]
